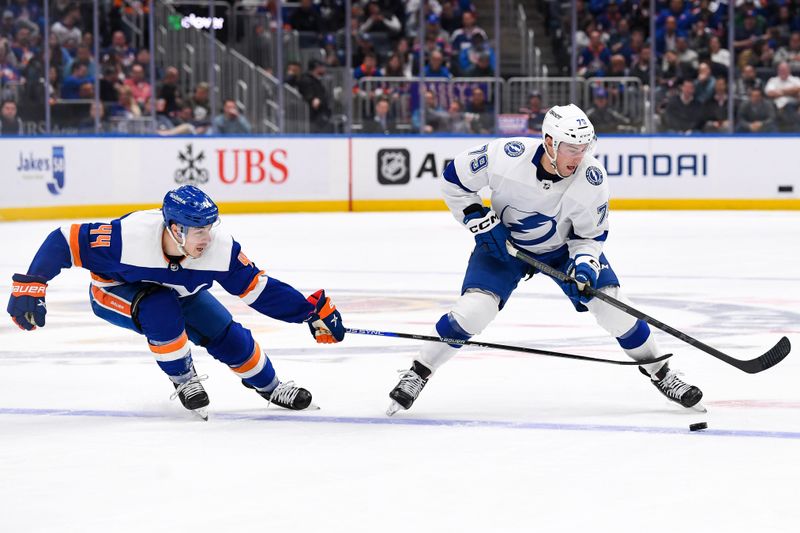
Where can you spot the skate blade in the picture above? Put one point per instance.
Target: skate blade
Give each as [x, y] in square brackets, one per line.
[311, 407]
[699, 407]
[202, 413]
[393, 408]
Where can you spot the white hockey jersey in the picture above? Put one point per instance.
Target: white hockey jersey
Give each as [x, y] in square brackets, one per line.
[542, 211]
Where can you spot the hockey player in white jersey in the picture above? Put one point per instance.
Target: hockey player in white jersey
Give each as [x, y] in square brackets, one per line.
[549, 199]
[151, 271]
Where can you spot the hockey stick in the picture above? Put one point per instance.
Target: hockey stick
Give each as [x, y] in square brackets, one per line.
[772, 357]
[500, 346]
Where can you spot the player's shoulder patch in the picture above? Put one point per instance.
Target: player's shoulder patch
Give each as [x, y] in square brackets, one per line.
[514, 148]
[594, 175]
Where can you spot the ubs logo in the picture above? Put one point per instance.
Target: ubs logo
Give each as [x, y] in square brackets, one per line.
[394, 166]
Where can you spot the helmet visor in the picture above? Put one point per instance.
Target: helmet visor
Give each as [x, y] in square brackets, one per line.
[566, 149]
[200, 231]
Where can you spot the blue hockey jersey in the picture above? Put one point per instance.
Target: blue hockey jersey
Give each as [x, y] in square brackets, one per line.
[129, 249]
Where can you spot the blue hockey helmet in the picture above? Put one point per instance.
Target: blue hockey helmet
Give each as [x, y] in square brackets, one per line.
[189, 207]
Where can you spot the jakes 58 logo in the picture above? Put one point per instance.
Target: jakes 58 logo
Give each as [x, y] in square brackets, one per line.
[32, 166]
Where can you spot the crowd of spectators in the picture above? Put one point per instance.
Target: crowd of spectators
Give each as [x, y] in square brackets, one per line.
[126, 90]
[388, 51]
[692, 62]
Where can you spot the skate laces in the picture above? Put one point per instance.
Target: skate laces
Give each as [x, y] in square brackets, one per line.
[284, 394]
[190, 388]
[673, 385]
[410, 382]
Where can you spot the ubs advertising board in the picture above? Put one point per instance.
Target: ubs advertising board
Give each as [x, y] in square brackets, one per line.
[79, 176]
[104, 177]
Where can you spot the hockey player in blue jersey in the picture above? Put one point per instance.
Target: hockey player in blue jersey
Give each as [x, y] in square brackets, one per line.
[549, 199]
[151, 271]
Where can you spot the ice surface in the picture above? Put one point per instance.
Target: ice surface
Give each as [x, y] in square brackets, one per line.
[498, 441]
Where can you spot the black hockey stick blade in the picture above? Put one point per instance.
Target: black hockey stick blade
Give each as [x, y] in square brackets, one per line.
[502, 347]
[772, 357]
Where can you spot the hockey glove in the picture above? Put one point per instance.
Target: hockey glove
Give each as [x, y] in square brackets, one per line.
[325, 322]
[584, 269]
[490, 233]
[26, 305]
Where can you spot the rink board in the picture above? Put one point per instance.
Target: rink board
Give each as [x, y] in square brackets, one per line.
[82, 177]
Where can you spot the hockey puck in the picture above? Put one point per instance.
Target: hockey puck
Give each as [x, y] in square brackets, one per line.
[698, 426]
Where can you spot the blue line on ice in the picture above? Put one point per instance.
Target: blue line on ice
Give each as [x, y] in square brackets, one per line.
[302, 417]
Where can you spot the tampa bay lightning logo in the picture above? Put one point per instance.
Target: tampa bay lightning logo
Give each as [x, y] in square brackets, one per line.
[528, 229]
[514, 148]
[594, 175]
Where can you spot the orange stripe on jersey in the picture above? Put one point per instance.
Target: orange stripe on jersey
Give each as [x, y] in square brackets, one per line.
[170, 347]
[106, 299]
[101, 279]
[252, 285]
[74, 245]
[251, 363]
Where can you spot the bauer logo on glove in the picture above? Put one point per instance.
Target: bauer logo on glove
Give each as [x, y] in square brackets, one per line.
[325, 322]
[26, 305]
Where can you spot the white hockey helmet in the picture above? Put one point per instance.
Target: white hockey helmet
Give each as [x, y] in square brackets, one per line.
[567, 123]
[570, 125]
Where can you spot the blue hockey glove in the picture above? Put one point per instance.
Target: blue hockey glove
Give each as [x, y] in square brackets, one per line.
[584, 269]
[26, 305]
[325, 322]
[490, 233]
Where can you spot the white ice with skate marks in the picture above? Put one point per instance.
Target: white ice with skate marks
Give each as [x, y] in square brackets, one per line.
[497, 441]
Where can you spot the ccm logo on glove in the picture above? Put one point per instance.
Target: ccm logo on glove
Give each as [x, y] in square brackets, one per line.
[484, 224]
[489, 232]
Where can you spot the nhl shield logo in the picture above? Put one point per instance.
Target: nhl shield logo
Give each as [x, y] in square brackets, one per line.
[393, 166]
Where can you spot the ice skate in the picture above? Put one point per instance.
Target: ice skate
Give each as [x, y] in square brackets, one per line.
[287, 395]
[192, 395]
[675, 389]
[411, 383]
